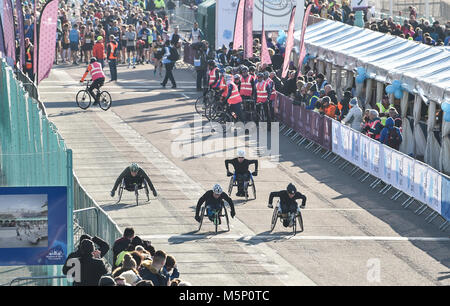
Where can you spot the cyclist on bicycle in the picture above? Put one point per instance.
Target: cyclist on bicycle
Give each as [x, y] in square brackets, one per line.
[213, 200]
[241, 165]
[213, 75]
[263, 92]
[232, 97]
[247, 84]
[134, 176]
[288, 203]
[98, 78]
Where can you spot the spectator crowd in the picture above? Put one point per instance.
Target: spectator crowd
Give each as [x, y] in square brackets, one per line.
[135, 263]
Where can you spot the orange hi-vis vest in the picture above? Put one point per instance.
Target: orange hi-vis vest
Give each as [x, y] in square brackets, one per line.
[261, 92]
[96, 71]
[273, 94]
[235, 97]
[113, 47]
[212, 76]
[372, 126]
[246, 86]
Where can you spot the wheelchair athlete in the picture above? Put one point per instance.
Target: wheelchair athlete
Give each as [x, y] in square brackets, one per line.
[213, 200]
[134, 177]
[242, 173]
[288, 203]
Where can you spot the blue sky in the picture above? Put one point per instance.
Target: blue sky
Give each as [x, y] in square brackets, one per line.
[16, 202]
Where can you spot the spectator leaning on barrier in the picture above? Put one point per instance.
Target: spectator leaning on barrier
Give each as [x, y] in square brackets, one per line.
[170, 268]
[391, 135]
[354, 115]
[374, 127]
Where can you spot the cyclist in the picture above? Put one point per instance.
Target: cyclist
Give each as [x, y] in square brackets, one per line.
[263, 93]
[231, 95]
[213, 75]
[134, 177]
[213, 200]
[241, 165]
[98, 78]
[288, 203]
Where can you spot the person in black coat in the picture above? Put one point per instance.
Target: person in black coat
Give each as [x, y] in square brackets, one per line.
[103, 248]
[92, 268]
[122, 243]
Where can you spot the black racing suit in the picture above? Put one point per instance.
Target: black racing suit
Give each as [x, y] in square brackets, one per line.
[213, 204]
[287, 204]
[241, 170]
[131, 181]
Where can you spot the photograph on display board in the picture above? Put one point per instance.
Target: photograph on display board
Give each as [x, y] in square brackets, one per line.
[23, 221]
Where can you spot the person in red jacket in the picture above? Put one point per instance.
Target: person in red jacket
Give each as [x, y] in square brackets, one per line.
[98, 78]
[99, 51]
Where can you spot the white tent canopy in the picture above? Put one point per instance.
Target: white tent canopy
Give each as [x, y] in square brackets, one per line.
[422, 69]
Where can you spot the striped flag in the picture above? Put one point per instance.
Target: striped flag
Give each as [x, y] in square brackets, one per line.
[238, 40]
[47, 37]
[8, 32]
[289, 43]
[19, 14]
[302, 39]
[248, 29]
[265, 56]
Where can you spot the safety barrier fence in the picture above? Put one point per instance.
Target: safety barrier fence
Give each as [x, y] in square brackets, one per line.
[33, 153]
[393, 169]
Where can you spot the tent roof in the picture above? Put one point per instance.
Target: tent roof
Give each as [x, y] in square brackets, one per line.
[422, 69]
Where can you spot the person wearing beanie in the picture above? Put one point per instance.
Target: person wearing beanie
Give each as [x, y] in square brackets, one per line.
[103, 248]
[128, 270]
[391, 135]
[107, 281]
[354, 116]
[92, 268]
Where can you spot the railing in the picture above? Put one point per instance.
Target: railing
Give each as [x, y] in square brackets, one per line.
[91, 219]
[414, 180]
[38, 281]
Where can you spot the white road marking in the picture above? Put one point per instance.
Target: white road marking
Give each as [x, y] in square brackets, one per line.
[193, 190]
[289, 236]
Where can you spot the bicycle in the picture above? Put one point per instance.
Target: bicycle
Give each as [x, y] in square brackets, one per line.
[216, 215]
[84, 98]
[296, 217]
[202, 102]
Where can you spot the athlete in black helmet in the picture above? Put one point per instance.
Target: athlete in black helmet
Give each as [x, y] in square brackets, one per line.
[288, 203]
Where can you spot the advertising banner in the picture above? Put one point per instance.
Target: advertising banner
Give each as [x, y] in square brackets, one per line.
[355, 151]
[248, 29]
[346, 148]
[325, 137]
[433, 190]
[238, 38]
[336, 137]
[375, 158]
[33, 227]
[287, 112]
[299, 123]
[420, 181]
[408, 173]
[398, 179]
[445, 198]
[316, 126]
[364, 152]
[276, 17]
[386, 166]
[307, 121]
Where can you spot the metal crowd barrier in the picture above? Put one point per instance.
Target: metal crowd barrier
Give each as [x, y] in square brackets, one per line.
[391, 169]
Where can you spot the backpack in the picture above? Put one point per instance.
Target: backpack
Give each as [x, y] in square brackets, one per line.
[393, 139]
[174, 56]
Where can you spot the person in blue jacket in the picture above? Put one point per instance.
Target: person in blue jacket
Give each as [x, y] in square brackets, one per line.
[391, 135]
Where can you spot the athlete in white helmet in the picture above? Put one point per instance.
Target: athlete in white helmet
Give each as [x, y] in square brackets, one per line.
[241, 165]
[213, 200]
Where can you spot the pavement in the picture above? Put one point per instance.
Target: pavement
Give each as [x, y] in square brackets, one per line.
[353, 235]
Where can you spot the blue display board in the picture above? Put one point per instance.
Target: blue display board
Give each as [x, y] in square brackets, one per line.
[33, 225]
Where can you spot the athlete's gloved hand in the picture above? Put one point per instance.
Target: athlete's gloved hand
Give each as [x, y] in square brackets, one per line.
[154, 193]
[112, 193]
[255, 173]
[302, 206]
[197, 218]
[229, 173]
[233, 213]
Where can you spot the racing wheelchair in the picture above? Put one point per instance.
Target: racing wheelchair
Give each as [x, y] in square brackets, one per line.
[296, 217]
[216, 214]
[249, 183]
[135, 188]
